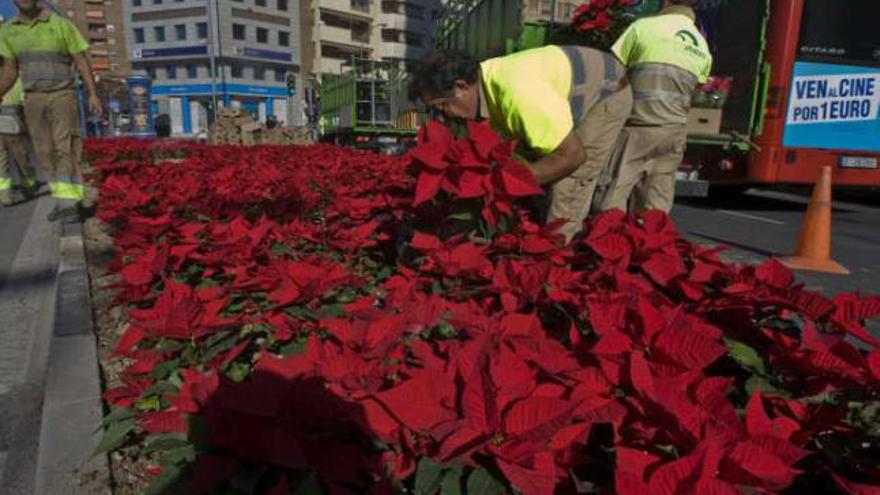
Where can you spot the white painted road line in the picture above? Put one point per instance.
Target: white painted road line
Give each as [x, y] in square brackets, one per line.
[751, 217]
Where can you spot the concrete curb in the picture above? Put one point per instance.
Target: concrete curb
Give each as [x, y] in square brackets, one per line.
[71, 416]
[27, 306]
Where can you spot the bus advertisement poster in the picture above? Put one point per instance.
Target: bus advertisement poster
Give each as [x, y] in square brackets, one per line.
[834, 107]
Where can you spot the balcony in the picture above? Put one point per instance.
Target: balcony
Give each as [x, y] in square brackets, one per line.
[352, 8]
[344, 36]
[401, 22]
[400, 51]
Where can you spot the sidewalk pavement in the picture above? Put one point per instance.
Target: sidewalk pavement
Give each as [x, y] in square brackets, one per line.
[50, 405]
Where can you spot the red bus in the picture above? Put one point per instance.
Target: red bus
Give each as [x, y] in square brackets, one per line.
[815, 99]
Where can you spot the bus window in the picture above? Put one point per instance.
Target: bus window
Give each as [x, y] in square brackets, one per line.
[840, 32]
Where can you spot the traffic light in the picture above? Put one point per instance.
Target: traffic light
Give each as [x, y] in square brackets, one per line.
[291, 84]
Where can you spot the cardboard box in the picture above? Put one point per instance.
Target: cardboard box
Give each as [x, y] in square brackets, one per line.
[704, 121]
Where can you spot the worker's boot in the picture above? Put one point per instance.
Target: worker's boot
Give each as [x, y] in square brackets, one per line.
[11, 198]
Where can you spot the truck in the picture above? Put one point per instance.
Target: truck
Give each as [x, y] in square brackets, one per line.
[805, 82]
[367, 107]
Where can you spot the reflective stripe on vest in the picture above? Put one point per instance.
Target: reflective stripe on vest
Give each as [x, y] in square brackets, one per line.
[661, 94]
[45, 71]
[595, 75]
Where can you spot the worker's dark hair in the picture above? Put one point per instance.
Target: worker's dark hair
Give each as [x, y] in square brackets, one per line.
[438, 72]
[686, 3]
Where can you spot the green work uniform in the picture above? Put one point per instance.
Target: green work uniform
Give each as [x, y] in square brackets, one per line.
[43, 50]
[666, 57]
[13, 150]
[540, 96]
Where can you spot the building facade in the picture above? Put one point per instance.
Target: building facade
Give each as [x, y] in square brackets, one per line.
[251, 47]
[101, 23]
[336, 31]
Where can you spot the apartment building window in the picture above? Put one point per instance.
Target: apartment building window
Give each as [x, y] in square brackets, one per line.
[159, 33]
[390, 36]
[262, 35]
[282, 5]
[157, 2]
[360, 5]
[135, 3]
[180, 31]
[151, 71]
[171, 72]
[259, 73]
[413, 11]
[238, 31]
[260, 3]
[139, 35]
[237, 71]
[283, 38]
[192, 71]
[280, 75]
[202, 28]
[413, 39]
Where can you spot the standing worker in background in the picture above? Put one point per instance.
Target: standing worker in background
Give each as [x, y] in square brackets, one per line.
[44, 48]
[565, 105]
[14, 153]
[666, 58]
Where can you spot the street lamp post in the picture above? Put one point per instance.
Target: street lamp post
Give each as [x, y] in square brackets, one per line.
[212, 57]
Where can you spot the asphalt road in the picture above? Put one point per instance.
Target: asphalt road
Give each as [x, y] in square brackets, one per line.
[13, 224]
[762, 223]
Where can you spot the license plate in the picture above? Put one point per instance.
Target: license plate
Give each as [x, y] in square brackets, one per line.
[858, 162]
[387, 139]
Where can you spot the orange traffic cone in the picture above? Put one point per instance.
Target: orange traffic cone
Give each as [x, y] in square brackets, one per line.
[813, 251]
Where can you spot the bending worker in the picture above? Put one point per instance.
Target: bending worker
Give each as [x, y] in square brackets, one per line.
[666, 57]
[565, 105]
[44, 48]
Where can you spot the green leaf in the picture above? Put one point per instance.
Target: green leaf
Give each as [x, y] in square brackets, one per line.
[163, 369]
[745, 356]
[452, 481]
[294, 347]
[153, 403]
[238, 371]
[759, 383]
[160, 388]
[223, 345]
[118, 414]
[115, 435]
[166, 442]
[309, 487]
[465, 216]
[384, 273]
[481, 482]
[180, 455]
[331, 311]
[167, 483]
[428, 474]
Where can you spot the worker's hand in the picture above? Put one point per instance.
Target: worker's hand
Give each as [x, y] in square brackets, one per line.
[95, 106]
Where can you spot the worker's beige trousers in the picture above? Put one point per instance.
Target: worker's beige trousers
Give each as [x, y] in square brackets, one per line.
[53, 122]
[643, 166]
[572, 196]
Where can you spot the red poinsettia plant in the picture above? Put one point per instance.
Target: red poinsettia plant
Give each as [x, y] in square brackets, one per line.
[321, 320]
[598, 23]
